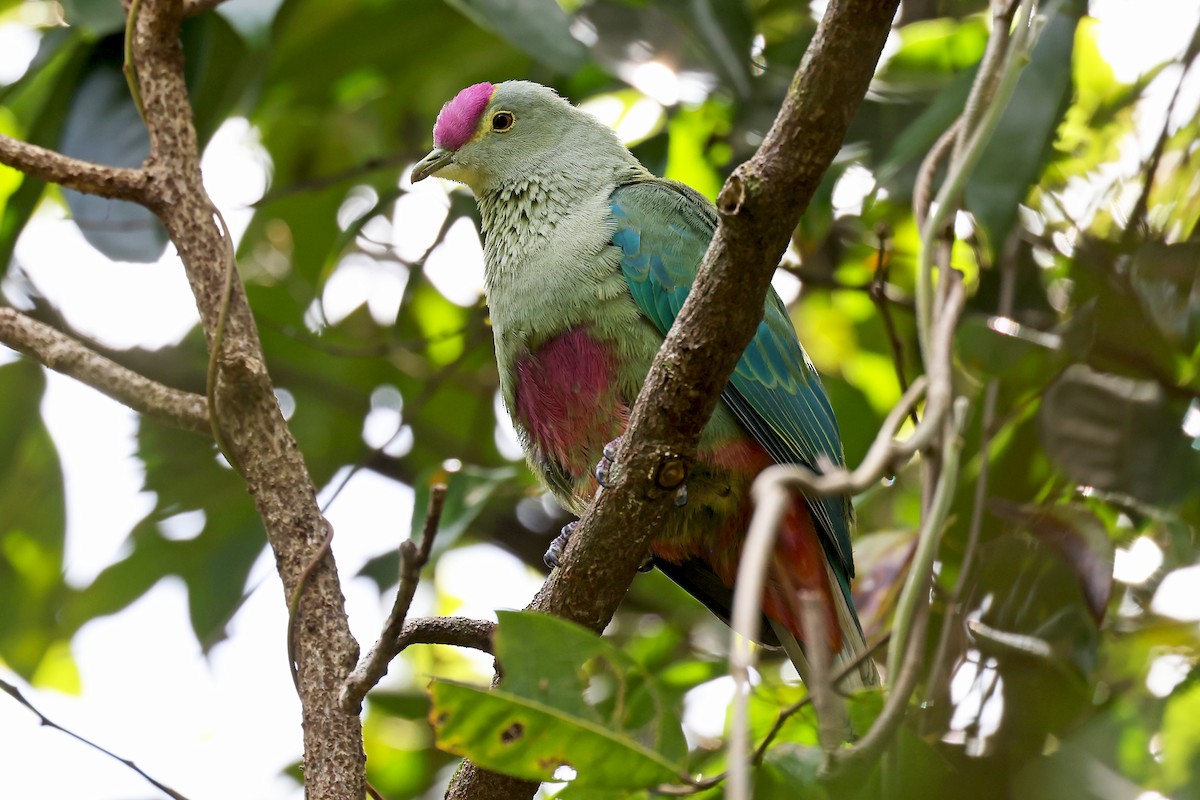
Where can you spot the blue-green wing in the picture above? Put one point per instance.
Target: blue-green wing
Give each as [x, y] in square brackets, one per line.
[663, 229]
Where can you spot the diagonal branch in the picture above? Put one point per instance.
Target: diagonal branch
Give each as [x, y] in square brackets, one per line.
[118, 183]
[63, 354]
[412, 559]
[249, 417]
[17, 695]
[760, 206]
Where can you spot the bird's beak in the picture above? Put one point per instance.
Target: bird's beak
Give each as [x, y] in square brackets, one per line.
[438, 157]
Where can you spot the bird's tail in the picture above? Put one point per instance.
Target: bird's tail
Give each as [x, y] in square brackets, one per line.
[853, 644]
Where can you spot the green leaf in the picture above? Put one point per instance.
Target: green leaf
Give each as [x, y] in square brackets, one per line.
[570, 699]
[933, 51]
[39, 102]
[1018, 149]
[467, 492]
[1166, 278]
[1181, 741]
[1114, 433]
[1080, 540]
[104, 127]
[533, 741]
[214, 563]
[32, 523]
[96, 17]
[539, 27]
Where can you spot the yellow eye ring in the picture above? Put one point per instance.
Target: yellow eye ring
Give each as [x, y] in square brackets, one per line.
[503, 121]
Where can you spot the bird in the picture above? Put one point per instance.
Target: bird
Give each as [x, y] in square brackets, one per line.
[588, 258]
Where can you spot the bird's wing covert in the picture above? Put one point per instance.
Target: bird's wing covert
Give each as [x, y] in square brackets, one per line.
[663, 229]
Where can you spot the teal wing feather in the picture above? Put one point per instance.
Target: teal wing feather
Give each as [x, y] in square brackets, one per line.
[663, 229]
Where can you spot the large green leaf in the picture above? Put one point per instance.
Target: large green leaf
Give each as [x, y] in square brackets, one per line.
[570, 700]
[1018, 149]
[32, 523]
[183, 471]
[103, 126]
[1114, 433]
[38, 102]
[467, 492]
[539, 27]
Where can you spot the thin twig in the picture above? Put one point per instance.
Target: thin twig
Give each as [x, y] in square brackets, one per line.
[321, 182]
[912, 613]
[1137, 216]
[412, 559]
[878, 292]
[983, 89]
[923, 187]
[760, 752]
[1016, 56]
[129, 67]
[294, 601]
[831, 709]
[990, 396]
[771, 495]
[16, 694]
[812, 277]
[885, 454]
[63, 354]
[218, 341]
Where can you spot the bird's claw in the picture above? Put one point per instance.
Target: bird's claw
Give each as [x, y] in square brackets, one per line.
[554, 552]
[608, 460]
[681, 496]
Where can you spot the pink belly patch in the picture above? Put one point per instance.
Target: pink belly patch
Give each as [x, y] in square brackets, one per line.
[567, 401]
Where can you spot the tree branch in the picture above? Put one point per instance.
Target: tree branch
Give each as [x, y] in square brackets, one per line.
[412, 558]
[456, 631]
[17, 695]
[63, 354]
[759, 208]
[118, 183]
[249, 415]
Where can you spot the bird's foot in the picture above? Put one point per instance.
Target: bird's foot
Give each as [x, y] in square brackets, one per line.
[606, 467]
[553, 556]
[554, 552]
[607, 463]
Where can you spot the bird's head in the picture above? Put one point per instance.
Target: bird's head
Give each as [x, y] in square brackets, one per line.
[490, 135]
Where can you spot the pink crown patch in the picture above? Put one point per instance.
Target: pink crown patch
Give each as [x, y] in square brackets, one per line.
[459, 118]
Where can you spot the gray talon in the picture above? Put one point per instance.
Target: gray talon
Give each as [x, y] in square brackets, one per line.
[681, 496]
[608, 457]
[647, 565]
[553, 556]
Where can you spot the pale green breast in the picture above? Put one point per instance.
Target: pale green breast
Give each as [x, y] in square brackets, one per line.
[550, 267]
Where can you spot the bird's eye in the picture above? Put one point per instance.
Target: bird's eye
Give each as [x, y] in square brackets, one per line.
[502, 121]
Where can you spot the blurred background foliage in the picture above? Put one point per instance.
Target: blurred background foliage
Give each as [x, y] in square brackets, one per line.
[1061, 662]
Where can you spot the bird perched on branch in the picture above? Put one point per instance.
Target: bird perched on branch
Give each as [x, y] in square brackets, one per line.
[588, 259]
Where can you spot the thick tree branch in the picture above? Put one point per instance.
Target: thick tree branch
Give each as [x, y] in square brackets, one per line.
[249, 416]
[63, 354]
[118, 183]
[760, 206]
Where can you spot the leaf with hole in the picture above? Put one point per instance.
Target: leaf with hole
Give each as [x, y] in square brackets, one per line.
[572, 706]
